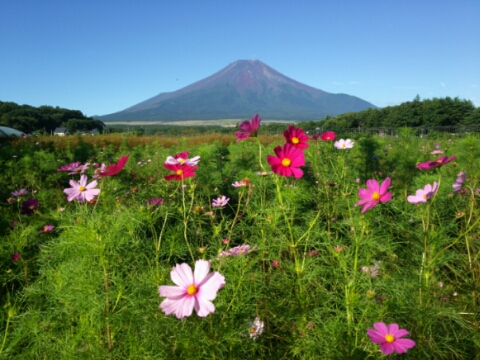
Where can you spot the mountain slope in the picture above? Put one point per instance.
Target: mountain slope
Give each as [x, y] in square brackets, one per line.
[240, 90]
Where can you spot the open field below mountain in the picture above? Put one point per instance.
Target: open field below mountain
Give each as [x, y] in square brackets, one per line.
[221, 122]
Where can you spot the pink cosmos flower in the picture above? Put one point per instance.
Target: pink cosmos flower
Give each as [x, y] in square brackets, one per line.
[193, 290]
[422, 195]
[287, 161]
[248, 128]
[343, 144]
[181, 171]
[461, 178]
[20, 192]
[182, 159]
[81, 191]
[296, 137]
[47, 228]
[70, 167]
[237, 250]
[328, 136]
[99, 170]
[435, 163]
[389, 338]
[240, 183]
[116, 168]
[221, 201]
[374, 194]
[155, 201]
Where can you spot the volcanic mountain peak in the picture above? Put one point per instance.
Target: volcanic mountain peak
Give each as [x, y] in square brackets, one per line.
[243, 88]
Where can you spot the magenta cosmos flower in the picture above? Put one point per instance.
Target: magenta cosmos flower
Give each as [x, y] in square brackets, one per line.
[81, 191]
[193, 290]
[155, 201]
[182, 159]
[248, 128]
[47, 228]
[422, 195]
[328, 136]
[287, 161]
[296, 137]
[115, 168]
[435, 163]
[374, 194]
[389, 338]
[181, 171]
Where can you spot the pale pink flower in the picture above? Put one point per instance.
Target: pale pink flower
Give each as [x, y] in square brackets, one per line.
[221, 201]
[422, 195]
[389, 338]
[182, 159]
[461, 178]
[237, 250]
[99, 170]
[20, 192]
[193, 290]
[343, 144]
[81, 191]
[255, 328]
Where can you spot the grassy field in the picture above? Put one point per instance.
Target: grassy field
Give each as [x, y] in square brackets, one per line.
[300, 270]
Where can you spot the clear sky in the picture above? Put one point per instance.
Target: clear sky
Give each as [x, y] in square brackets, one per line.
[102, 56]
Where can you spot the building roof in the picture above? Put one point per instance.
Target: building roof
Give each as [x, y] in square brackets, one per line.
[60, 130]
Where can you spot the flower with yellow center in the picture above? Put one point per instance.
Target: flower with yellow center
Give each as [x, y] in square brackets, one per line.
[295, 140]
[286, 162]
[192, 290]
[81, 188]
[179, 172]
[375, 196]
[389, 338]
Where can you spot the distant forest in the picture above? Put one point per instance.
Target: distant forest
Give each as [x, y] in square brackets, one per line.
[434, 112]
[31, 119]
[417, 113]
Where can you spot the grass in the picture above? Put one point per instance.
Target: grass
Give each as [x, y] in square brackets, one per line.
[89, 288]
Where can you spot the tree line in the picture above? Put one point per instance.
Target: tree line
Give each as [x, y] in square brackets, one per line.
[434, 112]
[30, 119]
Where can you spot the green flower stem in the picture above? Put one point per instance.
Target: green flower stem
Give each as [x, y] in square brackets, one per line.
[107, 310]
[185, 222]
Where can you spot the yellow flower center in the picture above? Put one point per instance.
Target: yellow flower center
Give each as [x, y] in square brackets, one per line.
[286, 162]
[192, 290]
[389, 338]
[253, 330]
[181, 161]
[295, 140]
[375, 196]
[179, 172]
[343, 146]
[81, 188]
[424, 196]
[327, 138]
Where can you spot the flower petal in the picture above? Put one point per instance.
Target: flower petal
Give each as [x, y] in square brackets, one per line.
[182, 275]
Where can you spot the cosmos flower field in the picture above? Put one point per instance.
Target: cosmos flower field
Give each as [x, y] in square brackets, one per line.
[296, 246]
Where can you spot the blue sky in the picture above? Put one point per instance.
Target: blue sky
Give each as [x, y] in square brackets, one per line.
[103, 56]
